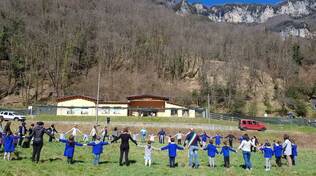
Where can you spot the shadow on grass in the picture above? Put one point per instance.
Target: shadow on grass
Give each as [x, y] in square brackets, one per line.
[19, 158]
[107, 162]
[51, 160]
[77, 161]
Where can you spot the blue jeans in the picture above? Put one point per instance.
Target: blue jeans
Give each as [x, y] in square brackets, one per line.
[172, 161]
[193, 156]
[143, 138]
[246, 156]
[96, 159]
[161, 139]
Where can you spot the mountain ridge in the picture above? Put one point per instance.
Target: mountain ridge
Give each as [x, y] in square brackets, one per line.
[255, 14]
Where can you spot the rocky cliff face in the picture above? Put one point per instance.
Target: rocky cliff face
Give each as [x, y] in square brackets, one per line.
[253, 13]
[260, 13]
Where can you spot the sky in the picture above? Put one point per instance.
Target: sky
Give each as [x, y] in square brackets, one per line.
[221, 2]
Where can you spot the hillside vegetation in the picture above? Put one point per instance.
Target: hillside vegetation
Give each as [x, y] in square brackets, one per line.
[53, 48]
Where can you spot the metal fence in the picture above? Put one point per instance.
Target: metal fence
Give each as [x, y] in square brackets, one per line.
[271, 120]
[52, 110]
[199, 113]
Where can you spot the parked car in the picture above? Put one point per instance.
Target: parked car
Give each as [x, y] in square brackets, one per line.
[9, 115]
[247, 124]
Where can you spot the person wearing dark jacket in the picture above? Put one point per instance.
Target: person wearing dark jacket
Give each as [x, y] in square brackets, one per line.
[22, 132]
[230, 138]
[52, 130]
[37, 136]
[31, 129]
[124, 148]
[161, 135]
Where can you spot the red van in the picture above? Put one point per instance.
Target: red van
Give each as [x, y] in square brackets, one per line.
[247, 124]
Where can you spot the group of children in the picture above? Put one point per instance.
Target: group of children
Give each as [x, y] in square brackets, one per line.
[209, 144]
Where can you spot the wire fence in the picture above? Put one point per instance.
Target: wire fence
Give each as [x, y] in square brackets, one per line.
[271, 120]
[199, 113]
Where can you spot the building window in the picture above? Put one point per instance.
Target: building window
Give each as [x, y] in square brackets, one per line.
[174, 112]
[84, 111]
[185, 113]
[105, 110]
[116, 110]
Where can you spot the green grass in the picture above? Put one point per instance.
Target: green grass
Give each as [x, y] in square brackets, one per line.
[55, 164]
[293, 127]
[133, 119]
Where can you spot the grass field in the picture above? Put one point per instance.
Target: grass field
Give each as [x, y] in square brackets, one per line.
[102, 119]
[53, 163]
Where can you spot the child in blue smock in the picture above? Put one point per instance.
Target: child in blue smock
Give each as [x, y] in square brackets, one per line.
[218, 139]
[294, 152]
[267, 153]
[97, 149]
[226, 154]
[204, 138]
[211, 152]
[278, 151]
[172, 148]
[70, 148]
[8, 144]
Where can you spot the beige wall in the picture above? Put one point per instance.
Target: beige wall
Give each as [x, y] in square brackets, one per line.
[76, 111]
[114, 109]
[180, 111]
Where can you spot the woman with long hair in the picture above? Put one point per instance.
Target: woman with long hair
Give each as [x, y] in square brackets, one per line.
[245, 146]
[124, 147]
[287, 148]
[7, 127]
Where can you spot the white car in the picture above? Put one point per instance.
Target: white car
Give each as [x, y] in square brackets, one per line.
[9, 115]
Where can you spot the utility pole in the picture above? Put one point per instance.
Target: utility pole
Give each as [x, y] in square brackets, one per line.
[208, 107]
[98, 95]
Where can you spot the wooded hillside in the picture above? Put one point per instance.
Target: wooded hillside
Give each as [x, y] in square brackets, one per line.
[53, 48]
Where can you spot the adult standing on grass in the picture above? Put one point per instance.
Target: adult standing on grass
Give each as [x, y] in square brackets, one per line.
[231, 138]
[161, 135]
[287, 148]
[124, 147]
[245, 146]
[143, 133]
[115, 133]
[37, 136]
[22, 132]
[193, 140]
[7, 127]
[105, 133]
